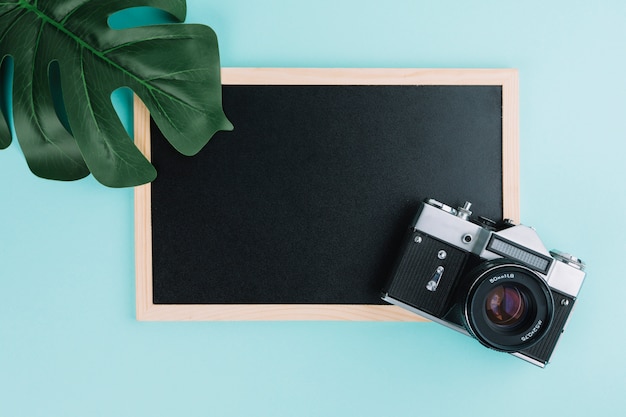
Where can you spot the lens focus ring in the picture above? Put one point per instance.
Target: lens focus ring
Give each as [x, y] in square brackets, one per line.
[508, 306]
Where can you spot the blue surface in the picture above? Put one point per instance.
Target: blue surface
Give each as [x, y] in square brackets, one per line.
[69, 342]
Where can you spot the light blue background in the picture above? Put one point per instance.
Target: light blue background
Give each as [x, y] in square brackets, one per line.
[69, 342]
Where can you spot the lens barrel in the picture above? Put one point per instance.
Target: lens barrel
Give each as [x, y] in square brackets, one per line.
[508, 306]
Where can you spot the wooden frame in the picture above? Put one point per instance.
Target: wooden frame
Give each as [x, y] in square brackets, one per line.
[147, 310]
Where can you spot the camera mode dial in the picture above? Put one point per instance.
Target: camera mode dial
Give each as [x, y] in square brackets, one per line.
[487, 223]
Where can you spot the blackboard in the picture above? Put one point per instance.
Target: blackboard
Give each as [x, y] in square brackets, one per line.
[299, 212]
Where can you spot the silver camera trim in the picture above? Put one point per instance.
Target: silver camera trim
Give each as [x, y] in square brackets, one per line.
[565, 274]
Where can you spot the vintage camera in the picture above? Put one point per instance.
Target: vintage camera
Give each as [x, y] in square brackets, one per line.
[496, 283]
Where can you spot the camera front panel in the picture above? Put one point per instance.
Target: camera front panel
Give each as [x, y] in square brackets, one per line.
[426, 273]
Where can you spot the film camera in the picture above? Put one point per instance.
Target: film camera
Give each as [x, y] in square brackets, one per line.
[496, 283]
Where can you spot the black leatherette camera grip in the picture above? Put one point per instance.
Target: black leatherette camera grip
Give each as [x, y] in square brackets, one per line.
[542, 350]
[417, 265]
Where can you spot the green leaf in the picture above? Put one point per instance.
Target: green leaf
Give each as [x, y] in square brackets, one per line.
[173, 68]
[5, 132]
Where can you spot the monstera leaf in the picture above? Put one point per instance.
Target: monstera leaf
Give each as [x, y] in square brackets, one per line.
[173, 68]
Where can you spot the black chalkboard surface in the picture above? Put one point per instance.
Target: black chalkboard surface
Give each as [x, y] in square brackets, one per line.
[305, 203]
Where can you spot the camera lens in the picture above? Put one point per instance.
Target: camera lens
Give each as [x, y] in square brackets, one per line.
[508, 307]
[505, 306]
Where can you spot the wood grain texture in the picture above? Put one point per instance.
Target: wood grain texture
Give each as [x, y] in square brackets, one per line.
[148, 311]
[143, 217]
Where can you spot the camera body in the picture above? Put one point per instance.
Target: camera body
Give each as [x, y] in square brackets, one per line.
[496, 283]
